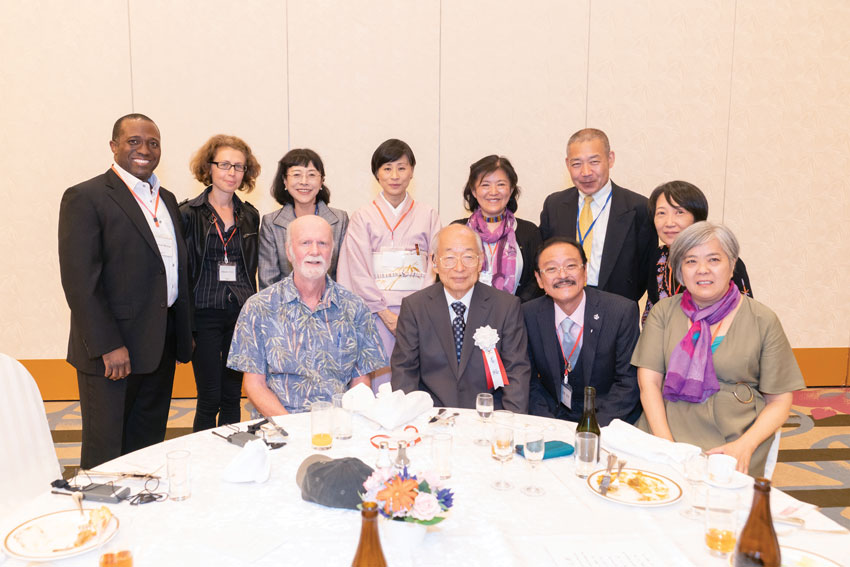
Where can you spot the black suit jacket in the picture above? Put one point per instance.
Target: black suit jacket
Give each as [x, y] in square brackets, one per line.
[528, 240]
[114, 277]
[610, 335]
[629, 239]
[424, 356]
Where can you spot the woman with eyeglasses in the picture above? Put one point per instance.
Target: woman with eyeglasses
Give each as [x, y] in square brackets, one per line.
[221, 237]
[299, 186]
[510, 243]
[386, 255]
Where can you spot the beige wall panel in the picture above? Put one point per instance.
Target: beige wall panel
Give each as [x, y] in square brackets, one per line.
[64, 78]
[361, 72]
[512, 83]
[789, 142]
[659, 86]
[206, 67]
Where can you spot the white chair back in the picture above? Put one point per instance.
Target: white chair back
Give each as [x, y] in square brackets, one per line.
[772, 455]
[27, 454]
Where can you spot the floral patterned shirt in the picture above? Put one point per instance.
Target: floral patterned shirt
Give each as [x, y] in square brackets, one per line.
[306, 355]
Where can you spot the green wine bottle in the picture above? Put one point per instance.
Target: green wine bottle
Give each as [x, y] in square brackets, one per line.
[588, 423]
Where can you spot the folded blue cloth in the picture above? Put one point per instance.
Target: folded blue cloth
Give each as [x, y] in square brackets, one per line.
[552, 449]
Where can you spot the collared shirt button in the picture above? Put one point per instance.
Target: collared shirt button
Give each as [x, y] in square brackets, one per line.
[163, 304]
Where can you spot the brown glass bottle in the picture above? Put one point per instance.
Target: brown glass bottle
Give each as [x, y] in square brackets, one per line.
[757, 544]
[369, 552]
[588, 423]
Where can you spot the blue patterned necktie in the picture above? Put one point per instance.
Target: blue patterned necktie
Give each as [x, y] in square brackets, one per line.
[458, 326]
[568, 343]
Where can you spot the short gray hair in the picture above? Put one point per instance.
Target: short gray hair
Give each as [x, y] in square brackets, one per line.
[700, 233]
[436, 240]
[588, 135]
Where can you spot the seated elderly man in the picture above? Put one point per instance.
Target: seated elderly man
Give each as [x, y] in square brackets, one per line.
[577, 337]
[458, 337]
[305, 337]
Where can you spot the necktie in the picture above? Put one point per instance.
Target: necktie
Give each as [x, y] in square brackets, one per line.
[568, 342]
[585, 219]
[458, 326]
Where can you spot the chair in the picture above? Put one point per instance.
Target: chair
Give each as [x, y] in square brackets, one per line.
[772, 455]
[26, 446]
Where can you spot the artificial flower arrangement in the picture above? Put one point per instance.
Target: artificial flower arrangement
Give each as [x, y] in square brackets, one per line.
[405, 498]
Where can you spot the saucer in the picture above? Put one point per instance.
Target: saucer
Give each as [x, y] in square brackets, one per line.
[738, 480]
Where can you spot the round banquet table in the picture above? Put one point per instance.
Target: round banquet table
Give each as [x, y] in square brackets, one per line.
[228, 524]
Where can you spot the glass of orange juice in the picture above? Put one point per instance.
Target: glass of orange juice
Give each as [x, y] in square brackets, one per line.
[321, 425]
[721, 521]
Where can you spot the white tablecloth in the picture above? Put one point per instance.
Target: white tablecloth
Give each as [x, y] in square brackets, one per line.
[224, 524]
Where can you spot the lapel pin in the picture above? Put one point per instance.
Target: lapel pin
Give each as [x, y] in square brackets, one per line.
[596, 317]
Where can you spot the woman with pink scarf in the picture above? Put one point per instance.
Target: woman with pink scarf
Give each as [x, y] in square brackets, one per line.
[715, 368]
[510, 243]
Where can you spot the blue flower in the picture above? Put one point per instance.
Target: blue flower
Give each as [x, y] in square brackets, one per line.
[446, 498]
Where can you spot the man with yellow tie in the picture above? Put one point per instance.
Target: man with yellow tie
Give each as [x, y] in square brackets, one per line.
[611, 223]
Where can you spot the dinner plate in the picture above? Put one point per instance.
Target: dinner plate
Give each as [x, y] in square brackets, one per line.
[738, 480]
[794, 557]
[637, 487]
[52, 536]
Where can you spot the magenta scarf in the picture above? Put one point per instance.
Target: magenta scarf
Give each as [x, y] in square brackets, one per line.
[504, 258]
[690, 373]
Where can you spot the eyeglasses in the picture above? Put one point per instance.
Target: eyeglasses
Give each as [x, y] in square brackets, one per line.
[226, 165]
[298, 175]
[468, 260]
[553, 271]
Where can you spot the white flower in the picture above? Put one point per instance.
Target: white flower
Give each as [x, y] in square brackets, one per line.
[486, 337]
[374, 484]
[432, 478]
[425, 507]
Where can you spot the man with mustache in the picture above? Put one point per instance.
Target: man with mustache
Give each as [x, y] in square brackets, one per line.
[304, 338]
[595, 331]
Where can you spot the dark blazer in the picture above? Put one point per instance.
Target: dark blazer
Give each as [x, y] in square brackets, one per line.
[528, 239]
[114, 277]
[610, 335]
[424, 356]
[629, 238]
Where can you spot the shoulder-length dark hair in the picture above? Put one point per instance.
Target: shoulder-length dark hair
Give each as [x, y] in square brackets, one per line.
[390, 151]
[684, 194]
[486, 166]
[302, 157]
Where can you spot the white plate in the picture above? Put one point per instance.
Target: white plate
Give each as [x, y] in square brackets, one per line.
[662, 490]
[52, 536]
[793, 557]
[738, 480]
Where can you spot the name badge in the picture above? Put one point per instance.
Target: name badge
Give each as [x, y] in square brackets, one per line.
[226, 272]
[165, 245]
[567, 394]
[486, 278]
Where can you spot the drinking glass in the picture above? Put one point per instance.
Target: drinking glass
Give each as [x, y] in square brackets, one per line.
[484, 407]
[321, 425]
[177, 465]
[696, 470]
[505, 417]
[721, 521]
[503, 449]
[441, 453]
[341, 419]
[533, 451]
[587, 444]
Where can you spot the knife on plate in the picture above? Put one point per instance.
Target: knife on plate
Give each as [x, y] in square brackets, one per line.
[606, 480]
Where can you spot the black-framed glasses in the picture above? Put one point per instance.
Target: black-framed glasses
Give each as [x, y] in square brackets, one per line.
[449, 262]
[226, 165]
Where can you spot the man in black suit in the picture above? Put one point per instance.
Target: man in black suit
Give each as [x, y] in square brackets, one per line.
[594, 330]
[123, 264]
[439, 340]
[611, 223]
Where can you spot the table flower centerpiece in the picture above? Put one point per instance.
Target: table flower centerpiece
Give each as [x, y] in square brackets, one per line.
[404, 497]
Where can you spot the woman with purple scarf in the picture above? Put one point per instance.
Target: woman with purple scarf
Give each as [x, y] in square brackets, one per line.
[715, 368]
[510, 243]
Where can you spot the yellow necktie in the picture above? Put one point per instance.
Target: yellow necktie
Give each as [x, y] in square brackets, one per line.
[584, 222]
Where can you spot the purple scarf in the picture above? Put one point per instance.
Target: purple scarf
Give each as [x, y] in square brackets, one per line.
[504, 258]
[690, 373]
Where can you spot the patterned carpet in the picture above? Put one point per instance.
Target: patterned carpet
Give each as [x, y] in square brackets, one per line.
[814, 453]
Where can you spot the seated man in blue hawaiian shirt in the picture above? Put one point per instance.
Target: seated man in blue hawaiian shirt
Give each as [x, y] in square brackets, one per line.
[305, 337]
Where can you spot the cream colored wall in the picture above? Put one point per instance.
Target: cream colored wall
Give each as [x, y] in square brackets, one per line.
[746, 99]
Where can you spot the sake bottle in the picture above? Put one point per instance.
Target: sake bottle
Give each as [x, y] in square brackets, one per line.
[588, 423]
[369, 552]
[757, 545]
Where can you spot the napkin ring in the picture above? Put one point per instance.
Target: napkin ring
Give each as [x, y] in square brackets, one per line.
[749, 388]
[376, 439]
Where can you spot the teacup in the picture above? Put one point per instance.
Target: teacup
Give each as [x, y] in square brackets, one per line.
[721, 468]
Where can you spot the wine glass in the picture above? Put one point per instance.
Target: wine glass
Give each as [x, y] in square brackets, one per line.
[533, 451]
[503, 450]
[696, 470]
[484, 407]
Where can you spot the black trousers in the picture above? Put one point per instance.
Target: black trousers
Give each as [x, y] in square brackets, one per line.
[219, 387]
[122, 416]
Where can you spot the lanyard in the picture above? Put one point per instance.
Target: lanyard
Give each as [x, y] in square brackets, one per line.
[221, 237]
[578, 230]
[668, 277]
[387, 224]
[153, 212]
[567, 366]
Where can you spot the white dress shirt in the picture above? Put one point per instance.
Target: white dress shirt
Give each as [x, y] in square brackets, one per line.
[576, 316]
[599, 229]
[465, 300]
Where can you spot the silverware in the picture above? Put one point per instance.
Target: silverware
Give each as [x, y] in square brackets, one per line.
[800, 523]
[437, 417]
[606, 480]
[620, 464]
[78, 498]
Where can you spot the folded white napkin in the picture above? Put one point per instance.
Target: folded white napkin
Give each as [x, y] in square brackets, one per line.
[251, 464]
[620, 437]
[390, 409]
